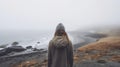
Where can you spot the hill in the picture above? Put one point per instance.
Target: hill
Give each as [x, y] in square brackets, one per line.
[104, 50]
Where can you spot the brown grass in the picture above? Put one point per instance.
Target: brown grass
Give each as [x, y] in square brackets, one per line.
[102, 45]
[103, 48]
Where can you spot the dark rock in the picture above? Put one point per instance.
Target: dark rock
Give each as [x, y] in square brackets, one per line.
[15, 43]
[101, 61]
[3, 52]
[29, 47]
[93, 52]
[42, 49]
[35, 49]
[38, 42]
[15, 48]
[11, 49]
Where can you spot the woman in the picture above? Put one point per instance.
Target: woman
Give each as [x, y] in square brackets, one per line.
[60, 51]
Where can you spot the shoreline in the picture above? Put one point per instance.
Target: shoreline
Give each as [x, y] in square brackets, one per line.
[39, 58]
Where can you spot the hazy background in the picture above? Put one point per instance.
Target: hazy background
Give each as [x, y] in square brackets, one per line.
[46, 14]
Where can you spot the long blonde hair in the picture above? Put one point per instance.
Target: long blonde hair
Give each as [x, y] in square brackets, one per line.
[64, 35]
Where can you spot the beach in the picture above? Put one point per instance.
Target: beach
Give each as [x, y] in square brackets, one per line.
[83, 57]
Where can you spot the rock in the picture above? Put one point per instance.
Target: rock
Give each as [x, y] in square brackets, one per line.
[35, 49]
[41, 49]
[29, 47]
[93, 52]
[11, 49]
[3, 52]
[101, 61]
[16, 48]
[38, 42]
[15, 43]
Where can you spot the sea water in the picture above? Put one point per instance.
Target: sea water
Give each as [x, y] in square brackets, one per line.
[28, 38]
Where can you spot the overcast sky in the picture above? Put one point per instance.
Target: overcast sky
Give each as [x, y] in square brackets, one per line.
[46, 14]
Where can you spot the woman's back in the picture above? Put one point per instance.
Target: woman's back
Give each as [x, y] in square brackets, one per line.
[60, 52]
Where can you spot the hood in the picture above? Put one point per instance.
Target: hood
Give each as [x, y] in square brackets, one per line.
[60, 26]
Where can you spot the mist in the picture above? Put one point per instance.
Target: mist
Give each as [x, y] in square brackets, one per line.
[46, 14]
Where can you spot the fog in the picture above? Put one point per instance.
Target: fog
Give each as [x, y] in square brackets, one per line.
[46, 14]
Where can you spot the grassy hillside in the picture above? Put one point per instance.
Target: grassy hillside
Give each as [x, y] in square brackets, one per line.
[106, 49]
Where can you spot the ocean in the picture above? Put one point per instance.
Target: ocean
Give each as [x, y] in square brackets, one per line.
[38, 39]
[27, 38]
